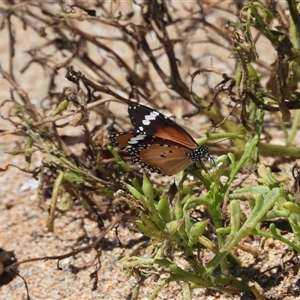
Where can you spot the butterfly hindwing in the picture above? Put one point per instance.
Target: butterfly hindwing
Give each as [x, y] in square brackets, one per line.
[163, 159]
[156, 154]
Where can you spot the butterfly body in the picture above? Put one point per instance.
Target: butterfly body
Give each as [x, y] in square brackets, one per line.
[158, 144]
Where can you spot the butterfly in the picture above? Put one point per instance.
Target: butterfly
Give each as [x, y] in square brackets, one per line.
[158, 144]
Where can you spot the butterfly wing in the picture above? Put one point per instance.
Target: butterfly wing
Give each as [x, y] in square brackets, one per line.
[148, 121]
[162, 159]
[153, 153]
[129, 140]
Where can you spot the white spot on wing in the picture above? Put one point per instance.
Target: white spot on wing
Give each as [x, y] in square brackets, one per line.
[146, 122]
[135, 140]
[150, 118]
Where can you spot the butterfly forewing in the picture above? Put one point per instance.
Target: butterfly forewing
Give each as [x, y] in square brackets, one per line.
[151, 122]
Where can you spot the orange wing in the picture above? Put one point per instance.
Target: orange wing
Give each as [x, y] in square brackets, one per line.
[156, 154]
[168, 160]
